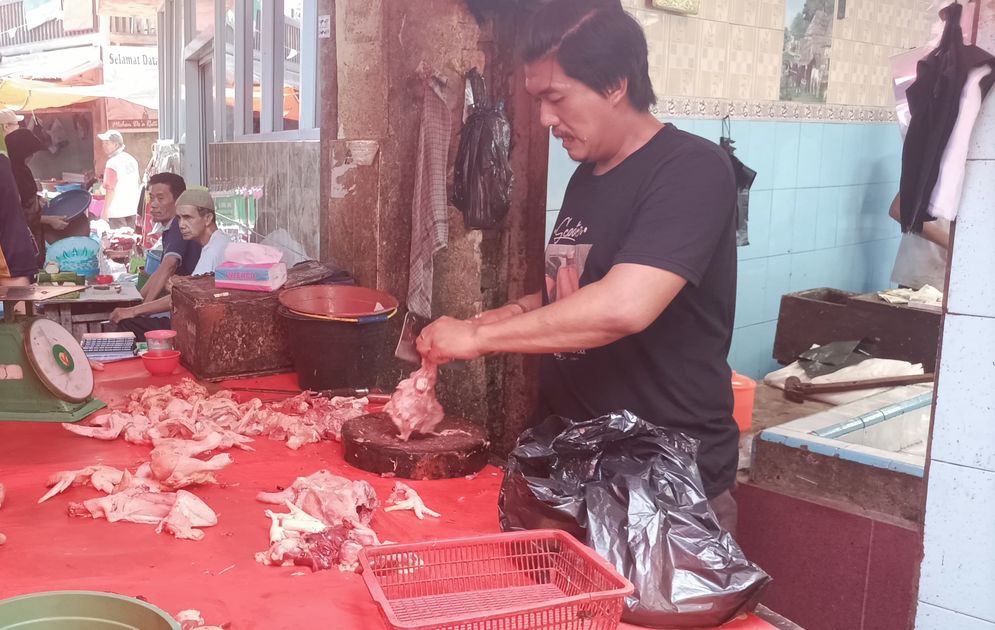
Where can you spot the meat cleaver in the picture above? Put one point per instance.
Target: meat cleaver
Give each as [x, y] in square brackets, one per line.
[407, 349]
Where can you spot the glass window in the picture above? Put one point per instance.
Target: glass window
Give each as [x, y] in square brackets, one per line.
[293, 12]
[204, 18]
[228, 38]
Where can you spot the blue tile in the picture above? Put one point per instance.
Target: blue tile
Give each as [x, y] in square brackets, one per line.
[810, 155]
[786, 155]
[756, 150]
[782, 212]
[803, 228]
[778, 283]
[758, 227]
[831, 168]
[825, 222]
[848, 228]
[857, 149]
[750, 291]
[752, 349]
[550, 223]
[710, 129]
[807, 271]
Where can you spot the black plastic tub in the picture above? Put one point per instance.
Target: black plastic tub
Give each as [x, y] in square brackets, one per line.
[330, 354]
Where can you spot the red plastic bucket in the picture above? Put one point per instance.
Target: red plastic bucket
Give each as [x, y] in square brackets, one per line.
[744, 391]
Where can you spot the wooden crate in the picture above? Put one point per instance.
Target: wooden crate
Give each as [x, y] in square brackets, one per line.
[226, 333]
[820, 316]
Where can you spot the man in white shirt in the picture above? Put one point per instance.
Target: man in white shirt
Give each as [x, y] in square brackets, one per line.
[122, 182]
[198, 223]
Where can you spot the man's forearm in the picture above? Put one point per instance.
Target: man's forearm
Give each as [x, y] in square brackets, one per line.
[157, 281]
[161, 305]
[529, 302]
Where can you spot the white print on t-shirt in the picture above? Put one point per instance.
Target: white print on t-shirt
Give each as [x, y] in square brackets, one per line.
[566, 232]
[565, 263]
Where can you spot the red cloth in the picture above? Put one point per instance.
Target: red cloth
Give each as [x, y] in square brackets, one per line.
[47, 550]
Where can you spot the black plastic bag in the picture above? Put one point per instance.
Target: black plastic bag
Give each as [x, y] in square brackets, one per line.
[745, 177]
[482, 177]
[632, 491]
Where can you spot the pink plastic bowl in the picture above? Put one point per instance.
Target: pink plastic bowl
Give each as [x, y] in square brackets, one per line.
[161, 362]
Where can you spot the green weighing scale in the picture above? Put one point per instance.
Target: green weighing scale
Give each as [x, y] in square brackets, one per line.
[44, 374]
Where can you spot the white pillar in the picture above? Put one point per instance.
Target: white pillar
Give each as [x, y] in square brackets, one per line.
[957, 579]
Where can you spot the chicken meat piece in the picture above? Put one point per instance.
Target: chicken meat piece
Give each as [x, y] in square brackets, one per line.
[329, 498]
[110, 426]
[404, 497]
[178, 513]
[103, 478]
[133, 506]
[335, 546]
[413, 407]
[3, 494]
[175, 466]
[187, 514]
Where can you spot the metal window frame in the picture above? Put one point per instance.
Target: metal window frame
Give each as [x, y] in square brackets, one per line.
[220, 73]
[309, 66]
[243, 68]
[197, 52]
[271, 53]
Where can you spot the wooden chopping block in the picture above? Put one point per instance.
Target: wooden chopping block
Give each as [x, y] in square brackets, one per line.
[371, 443]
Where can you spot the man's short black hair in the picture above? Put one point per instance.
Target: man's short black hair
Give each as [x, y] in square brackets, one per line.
[176, 183]
[595, 42]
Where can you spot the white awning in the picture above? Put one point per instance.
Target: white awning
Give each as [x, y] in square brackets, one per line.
[51, 65]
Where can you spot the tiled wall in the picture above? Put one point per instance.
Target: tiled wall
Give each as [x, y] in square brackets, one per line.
[957, 577]
[818, 216]
[288, 173]
[733, 48]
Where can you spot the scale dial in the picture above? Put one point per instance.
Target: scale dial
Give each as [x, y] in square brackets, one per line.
[58, 360]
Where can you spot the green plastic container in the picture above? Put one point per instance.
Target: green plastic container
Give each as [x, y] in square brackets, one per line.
[81, 610]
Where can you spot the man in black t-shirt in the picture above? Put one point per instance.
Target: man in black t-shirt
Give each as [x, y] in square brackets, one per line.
[637, 310]
[179, 257]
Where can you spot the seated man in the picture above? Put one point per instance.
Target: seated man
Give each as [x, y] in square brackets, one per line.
[196, 218]
[179, 257]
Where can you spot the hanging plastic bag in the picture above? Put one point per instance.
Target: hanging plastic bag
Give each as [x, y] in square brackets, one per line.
[744, 181]
[483, 177]
[632, 491]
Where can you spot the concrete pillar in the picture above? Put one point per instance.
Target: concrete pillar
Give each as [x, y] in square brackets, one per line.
[382, 50]
[957, 576]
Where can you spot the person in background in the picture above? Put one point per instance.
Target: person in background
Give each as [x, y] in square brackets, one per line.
[10, 120]
[18, 251]
[648, 221]
[122, 182]
[21, 145]
[922, 258]
[197, 222]
[179, 256]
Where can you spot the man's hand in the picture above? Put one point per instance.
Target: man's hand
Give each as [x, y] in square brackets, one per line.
[447, 339]
[121, 313]
[498, 314]
[55, 222]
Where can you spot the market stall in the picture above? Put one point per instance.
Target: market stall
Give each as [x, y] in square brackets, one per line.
[47, 550]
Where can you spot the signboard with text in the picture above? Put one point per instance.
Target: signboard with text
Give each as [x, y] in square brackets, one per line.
[134, 71]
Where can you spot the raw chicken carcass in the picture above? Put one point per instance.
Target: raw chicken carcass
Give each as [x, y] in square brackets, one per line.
[187, 514]
[174, 465]
[331, 499]
[335, 546]
[103, 478]
[413, 407]
[176, 512]
[110, 426]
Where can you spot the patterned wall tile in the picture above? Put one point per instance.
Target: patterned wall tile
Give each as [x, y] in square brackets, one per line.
[742, 61]
[745, 12]
[656, 26]
[772, 14]
[682, 55]
[712, 59]
[770, 43]
[717, 10]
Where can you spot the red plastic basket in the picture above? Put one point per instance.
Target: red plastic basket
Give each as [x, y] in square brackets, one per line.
[516, 581]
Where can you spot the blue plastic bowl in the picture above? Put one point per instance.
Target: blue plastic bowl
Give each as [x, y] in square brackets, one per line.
[69, 204]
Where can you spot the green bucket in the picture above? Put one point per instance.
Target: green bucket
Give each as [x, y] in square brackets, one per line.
[81, 610]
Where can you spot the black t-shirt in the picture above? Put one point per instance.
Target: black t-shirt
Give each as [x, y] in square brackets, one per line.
[670, 205]
[174, 245]
[18, 253]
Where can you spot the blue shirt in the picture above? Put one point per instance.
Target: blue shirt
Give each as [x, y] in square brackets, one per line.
[174, 245]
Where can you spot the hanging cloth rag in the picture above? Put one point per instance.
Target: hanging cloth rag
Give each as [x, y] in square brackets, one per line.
[934, 102]
[429, 210]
